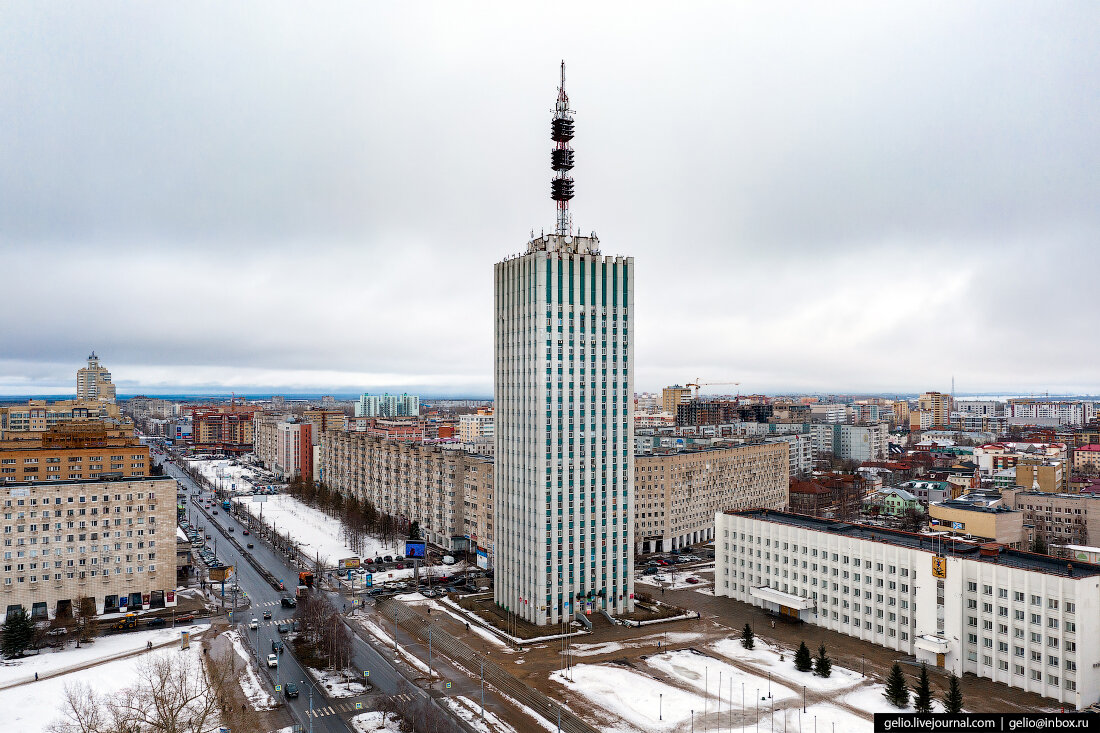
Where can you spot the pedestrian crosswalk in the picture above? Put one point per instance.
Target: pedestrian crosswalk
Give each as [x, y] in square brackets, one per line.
[341, 708]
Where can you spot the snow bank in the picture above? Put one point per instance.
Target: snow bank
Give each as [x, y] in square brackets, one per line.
[336, 684]
[250, 681]
[105, 647]
[691, 668]
[639, 701]
[372, 722]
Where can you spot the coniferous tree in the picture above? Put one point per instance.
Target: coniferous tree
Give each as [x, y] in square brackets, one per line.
[747, 637]
[953, 698]
[17, 633]
[922, 693]
[897, 691]
[823, 666]
[802, 660]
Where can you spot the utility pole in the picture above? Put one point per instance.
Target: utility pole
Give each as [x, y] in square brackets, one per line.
[483, 690]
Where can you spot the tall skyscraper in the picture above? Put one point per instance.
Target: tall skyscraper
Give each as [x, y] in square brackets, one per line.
[564, 417]
[93, 382]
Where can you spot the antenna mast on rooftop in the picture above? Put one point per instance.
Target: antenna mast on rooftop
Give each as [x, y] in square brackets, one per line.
[561, 158]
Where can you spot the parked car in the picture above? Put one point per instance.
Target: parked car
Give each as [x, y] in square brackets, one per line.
[369, 561]
[379, 560]
[215, 511]
[693, 580]
[398, 557]
[186, 617]
[250, 545]
[650, 571]
[400, 566]
[388, 558]
[155, 622]
[267, 615]
[254, 623]
[244, 531]
[290, 689]
[272, 660]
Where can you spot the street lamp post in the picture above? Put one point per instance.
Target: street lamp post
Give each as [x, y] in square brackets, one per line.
[661, 706]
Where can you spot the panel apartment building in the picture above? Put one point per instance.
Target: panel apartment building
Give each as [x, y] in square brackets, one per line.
[1026, 620]
[96, 538]
[417, 482]
[678, 493]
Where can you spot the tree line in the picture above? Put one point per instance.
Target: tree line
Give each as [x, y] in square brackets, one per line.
[360, 518]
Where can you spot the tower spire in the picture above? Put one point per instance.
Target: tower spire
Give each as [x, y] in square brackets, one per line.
[561, 158]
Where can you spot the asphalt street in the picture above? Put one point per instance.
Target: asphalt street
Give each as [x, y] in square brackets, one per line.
[328, 714]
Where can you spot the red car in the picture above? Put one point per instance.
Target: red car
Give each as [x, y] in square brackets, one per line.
[693, 580]
[245, 532]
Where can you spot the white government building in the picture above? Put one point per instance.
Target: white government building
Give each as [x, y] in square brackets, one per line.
[1023, 619]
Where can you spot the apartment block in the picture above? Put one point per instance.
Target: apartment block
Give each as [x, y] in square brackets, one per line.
[851, 442]
[93, 382]
[1087, 458]
[96, 538]
[265, 436]
[324, 420]
[294, 449]
[1058, 518]
[417, 482]
[472, 428]
[1028, 621]
[1046, 412]
[387, 405]
[939, 407]
[477, 506]
[800, 451]
[71, 452]
[222, 428]
[677, 494]
[674, 396]
[1043, 474]
[991, 521]
[40, 415]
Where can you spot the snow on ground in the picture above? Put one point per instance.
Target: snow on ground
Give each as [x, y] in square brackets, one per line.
[380, 634]
[336, 684]
[315, 531]
[52, 661]
[251, 685]
[872, 698]
[31, 708]
[475, 626]
[222, 473]
[691, 668]
[671, 581]
[766, 656]
[829, 718]
[371, 722]
[606, 647]
[639, 701]
[470, 711]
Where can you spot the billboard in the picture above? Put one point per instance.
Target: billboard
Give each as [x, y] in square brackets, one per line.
[347, 562]
[414, 548]
[222, 574]
[482, 559]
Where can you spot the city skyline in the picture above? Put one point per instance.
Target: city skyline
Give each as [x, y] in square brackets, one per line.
[838, 229]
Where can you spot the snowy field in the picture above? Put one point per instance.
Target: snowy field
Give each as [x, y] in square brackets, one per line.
[372, 722]
[690, 668]
[607, 647]
[640, 702]
[51, 661]
[223, 474]
[687, 680]
[315, 531]
[31, 708]
[337, 684]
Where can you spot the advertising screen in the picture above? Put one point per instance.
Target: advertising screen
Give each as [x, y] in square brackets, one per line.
[414, 549]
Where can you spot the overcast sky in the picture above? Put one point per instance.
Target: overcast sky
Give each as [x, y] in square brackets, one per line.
[311, 197]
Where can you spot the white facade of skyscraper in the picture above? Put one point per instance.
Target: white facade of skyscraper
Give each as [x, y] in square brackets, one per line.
[564, 403]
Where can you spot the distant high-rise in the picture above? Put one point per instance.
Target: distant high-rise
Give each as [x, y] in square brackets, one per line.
[387, 405]
[563, 391]
[93, 382]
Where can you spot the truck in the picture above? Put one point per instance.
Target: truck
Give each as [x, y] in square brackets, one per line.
[301, 591]
[129, 621]
[225, 505]
[305, 578]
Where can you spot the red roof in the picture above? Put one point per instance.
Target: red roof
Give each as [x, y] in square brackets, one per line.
[1091, 447]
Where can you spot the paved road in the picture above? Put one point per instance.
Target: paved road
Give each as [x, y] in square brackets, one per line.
[327, 715]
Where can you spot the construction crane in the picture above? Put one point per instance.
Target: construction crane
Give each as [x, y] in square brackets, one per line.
[697, 384]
